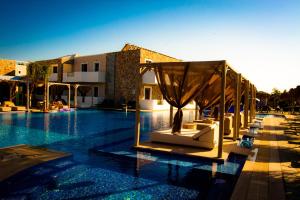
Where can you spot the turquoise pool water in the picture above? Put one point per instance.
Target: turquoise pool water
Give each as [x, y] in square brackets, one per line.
[104, 165]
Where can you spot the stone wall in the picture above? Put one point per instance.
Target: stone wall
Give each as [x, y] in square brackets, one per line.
[126, 73]
[7, 67]
[110, 75]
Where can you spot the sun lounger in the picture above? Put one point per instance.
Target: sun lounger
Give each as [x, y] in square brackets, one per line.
[18, 108]
[206, 137]
[13, 106]
[5, 109]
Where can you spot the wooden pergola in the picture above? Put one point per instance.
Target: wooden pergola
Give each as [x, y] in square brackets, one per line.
[68, 85]
[224, 69]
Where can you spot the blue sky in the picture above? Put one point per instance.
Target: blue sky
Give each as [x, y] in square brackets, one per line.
[260, 38]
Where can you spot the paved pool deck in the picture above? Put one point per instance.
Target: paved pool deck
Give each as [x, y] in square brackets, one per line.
[14, 159]
[262, 177]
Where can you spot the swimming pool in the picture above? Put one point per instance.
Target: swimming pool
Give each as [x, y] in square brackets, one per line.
[266, 115]
[103, 165]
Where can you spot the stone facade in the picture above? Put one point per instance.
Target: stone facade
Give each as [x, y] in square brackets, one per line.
[7, 67]
[126, 73]
[110, 75]
[127, 65]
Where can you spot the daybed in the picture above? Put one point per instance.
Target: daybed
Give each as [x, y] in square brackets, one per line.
[205, 136]
[228, 122]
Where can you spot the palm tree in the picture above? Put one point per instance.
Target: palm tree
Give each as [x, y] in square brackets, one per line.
[38, 73]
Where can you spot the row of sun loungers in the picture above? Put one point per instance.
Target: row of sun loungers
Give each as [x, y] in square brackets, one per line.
[10, 106]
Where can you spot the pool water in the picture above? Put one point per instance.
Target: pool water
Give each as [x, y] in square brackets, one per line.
[103, 164]
[265, 115]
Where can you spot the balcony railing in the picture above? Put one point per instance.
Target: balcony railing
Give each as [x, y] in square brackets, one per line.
[84, 77]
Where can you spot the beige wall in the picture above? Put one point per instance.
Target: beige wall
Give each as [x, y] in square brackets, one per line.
[90, 60]
[7, 67]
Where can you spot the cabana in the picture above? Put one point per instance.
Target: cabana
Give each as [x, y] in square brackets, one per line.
[207, 82]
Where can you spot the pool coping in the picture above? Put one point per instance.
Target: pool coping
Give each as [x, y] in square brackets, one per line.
[22, 157]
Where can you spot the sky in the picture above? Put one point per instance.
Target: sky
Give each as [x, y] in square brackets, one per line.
[259, 38]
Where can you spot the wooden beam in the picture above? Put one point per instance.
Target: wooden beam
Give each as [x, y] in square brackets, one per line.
[196, 111]
[222, 110]
[246, 106]
[236, 108]
[251, 103]
[254, 102]
[137, 110]
[239, 95]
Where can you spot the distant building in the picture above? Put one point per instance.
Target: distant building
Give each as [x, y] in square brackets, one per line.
[110, 76]
[11, 85]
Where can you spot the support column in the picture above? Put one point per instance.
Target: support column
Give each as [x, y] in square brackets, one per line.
[196, 111]
[137, 112]
[236, 108]
[47, 98]
[69, 96]
[239, 95]
[28, 94]
[171, 116]
[75, 95]
[251, 103]
[246, 106]
[254, 107]
[222, 110]
[93, 96]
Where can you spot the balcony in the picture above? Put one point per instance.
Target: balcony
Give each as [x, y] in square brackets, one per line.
[84, 77]
[149, 78]
[53, 77]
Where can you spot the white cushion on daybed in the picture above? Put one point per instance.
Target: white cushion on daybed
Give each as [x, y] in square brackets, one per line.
[207, 137]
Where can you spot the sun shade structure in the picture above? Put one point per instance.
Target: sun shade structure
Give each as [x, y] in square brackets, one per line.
[209, 83]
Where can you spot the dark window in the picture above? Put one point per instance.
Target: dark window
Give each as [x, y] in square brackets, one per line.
[95, 91]
[147, 93]
[55, 70]
[96, 67]
[84, 67]
[83, 99]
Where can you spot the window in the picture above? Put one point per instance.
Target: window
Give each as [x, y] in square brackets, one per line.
[96, 67]
[84, 67]
[148, 60]
[54, 69]
[95, 91]
[148, 93]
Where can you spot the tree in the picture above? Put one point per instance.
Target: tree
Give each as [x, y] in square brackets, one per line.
[38, 73]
